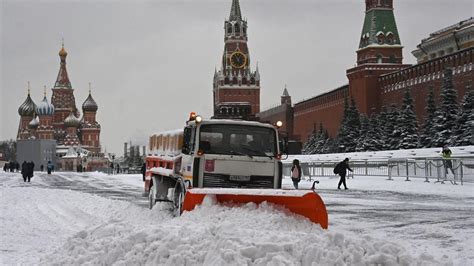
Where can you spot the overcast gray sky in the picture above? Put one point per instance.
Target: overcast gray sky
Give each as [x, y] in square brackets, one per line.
[152, 62]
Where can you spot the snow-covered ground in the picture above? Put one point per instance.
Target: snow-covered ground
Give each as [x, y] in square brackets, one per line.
[94, 218]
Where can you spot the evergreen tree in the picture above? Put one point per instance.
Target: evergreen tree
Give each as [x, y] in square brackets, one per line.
[320, 140]
[464, 134]
[374, 137]
[364, 130]
[409, 138]
[351, 128]
[308, 146]
[329, 145]
[447, 114]
[383, 122]
[393, 129]
[342, 138]
[427, 131]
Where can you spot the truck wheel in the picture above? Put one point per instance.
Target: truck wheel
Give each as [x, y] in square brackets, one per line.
[179, 203]
[151, 198]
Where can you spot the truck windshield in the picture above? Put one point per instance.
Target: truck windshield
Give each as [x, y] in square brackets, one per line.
[237, 140]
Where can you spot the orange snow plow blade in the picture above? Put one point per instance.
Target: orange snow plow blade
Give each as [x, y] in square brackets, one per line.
[305, 203]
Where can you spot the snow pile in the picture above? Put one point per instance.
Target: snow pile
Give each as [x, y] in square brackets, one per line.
[219, 235]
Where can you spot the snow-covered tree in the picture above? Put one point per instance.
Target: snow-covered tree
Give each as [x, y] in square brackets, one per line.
[329, 147]
[384, 122]
[364, 130]
[427, 130]
[342, 138]
[350, 129]
[392, 129]
[374, 136]
[445, 121]
[308, 147]
[464, 133]
[409, 138]
[321, 140]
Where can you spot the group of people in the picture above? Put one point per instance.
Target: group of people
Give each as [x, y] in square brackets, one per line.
[340, 169]
[27, 169]
[11, 166]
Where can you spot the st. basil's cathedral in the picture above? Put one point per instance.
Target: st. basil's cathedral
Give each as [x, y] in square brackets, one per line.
[56, 131]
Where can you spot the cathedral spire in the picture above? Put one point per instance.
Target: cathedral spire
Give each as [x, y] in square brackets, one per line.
[62, 80]
[235, 13]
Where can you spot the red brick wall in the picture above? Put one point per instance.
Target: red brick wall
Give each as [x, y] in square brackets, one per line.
[419, 78]
[326, 109]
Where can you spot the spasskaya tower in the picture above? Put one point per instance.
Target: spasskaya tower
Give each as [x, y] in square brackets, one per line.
[236, 88]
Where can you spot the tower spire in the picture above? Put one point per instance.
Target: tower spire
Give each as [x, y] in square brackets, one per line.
[62, 80]
[235, 13]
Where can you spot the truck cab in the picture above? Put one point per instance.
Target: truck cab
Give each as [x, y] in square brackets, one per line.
[231, 154]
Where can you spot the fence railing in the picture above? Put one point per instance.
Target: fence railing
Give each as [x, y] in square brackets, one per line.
[430, 169]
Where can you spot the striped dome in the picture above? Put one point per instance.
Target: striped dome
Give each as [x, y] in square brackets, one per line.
[27, 108]
[34, 123]
[45, 108]
[71, 120]
[90, 104]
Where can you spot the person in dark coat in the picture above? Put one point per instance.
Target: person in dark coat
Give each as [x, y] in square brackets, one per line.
[31, 168]
[41, 168]
[143, 171]
[12, 166]
[5, 167]
[49, 167]
[24, 170]
[296, 173]
[341, 170]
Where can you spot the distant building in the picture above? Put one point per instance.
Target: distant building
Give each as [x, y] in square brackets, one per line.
[58, 122]
[380, 77]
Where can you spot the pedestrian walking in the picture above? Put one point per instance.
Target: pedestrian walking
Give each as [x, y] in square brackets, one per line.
[447, 162]
[143, 171]
[6, 167]
[12, 166]
[24, 170]
[49, 167]
[340, 169]
[296, 173]
[41, 168]
[31, 169]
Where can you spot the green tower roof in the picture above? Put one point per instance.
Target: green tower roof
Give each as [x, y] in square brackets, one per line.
[379, 28]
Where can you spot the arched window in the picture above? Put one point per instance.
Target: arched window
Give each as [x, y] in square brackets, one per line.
[237, 29]
[379, 59]
[229, 29]
[380, 37]
[389, 39]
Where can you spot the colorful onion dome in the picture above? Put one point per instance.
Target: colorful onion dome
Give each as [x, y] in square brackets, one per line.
[89, 104]
[45, 108]
[71, 120]
[28, 107]
[34, 123]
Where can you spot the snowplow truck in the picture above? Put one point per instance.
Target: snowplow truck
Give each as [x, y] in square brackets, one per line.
[234, 161]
